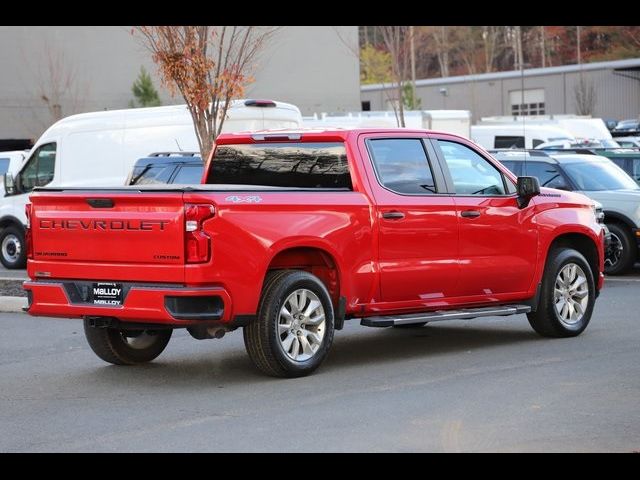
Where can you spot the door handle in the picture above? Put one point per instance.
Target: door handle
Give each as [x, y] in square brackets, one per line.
[393, 215]
[470, 214]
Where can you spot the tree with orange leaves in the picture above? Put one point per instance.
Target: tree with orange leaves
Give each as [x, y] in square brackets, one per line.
[208, 66]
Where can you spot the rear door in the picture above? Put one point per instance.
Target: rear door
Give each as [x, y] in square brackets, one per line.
[418, 228]
[498, 241]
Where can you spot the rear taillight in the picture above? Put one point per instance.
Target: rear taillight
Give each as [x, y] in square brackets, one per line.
[27, 234]
[197, 242]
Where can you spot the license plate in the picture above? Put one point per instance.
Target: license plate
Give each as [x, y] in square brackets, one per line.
[107, 293]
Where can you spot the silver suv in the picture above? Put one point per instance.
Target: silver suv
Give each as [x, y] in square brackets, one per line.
[598, 178]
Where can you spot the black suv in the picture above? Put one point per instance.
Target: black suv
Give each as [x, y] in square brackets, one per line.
[167, 167]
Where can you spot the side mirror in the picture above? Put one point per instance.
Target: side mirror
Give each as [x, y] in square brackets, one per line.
[528, 187]
[9, 184]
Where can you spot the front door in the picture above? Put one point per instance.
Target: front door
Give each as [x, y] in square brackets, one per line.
[498, 240]
[418, 227]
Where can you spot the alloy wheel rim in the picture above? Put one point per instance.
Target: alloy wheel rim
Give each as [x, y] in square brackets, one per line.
[301, 325]
[614, 251]
[11, 248]
[571, 294]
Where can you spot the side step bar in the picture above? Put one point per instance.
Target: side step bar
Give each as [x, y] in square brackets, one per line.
[462, 314]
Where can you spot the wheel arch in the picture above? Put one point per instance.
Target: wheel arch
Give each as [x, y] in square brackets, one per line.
[617, 217]
[313, 259]
[10, 220]
[581, 243]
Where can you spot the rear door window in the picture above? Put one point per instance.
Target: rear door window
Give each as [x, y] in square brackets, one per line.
[402, 166]
[188, 174]
[294, 165]
[152, 174]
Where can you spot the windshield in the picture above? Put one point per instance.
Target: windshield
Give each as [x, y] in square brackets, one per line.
[594, 176]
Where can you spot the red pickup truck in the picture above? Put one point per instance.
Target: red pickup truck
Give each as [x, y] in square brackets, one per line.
[292, 233]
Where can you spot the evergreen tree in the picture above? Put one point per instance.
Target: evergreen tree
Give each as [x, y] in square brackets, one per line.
[144, 92]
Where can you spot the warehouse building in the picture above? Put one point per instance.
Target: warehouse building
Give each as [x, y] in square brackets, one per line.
[610, 89]
[55, 71]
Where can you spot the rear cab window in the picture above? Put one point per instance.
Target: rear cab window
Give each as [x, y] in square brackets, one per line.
[308, 165]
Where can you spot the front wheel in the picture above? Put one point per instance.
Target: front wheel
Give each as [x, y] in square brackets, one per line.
[294, 329]
[567, 296]
[12, 248]
[126, 347]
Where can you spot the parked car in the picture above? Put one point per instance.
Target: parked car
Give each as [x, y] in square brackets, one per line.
[100, 148]
[598, 178]
[167, 167]
[292, 233]
[578, 143]
[9, 164]
[626, 127]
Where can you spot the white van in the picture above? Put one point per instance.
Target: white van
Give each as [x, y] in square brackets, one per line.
[457, 122]
[580, 126]
[517, 136]
[100, 148]
[9, 164]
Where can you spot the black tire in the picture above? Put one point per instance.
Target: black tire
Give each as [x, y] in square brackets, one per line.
[13, 249]
[262, 339]
[111, 345]
[411, 325]
[546, 320]
[620, 235]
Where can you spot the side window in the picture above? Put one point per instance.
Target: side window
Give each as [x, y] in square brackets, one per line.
[512, 165]
[188, 174]
[536, 141]
[4, 165]
[547, 173]
[635, 169]
[39, 169]
[508, 141]
[153, 175]
[472, 174]
[402, 165]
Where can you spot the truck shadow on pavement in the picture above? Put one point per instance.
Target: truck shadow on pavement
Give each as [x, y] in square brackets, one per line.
[351, 350]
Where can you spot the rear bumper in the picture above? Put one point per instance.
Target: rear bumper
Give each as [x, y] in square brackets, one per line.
[144, 303]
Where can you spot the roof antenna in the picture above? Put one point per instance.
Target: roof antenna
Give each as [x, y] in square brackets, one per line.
[179, 147]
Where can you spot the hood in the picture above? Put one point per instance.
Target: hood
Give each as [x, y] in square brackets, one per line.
[606, 196]
[554, 194]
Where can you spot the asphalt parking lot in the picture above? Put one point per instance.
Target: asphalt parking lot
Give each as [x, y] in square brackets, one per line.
[483, 385]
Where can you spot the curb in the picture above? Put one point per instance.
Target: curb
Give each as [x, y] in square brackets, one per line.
[12, 304]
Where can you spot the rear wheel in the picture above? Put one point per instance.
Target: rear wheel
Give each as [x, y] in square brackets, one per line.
[294, 329]
[621, 252]
[126, 347]
[12, 248]
[567, 296]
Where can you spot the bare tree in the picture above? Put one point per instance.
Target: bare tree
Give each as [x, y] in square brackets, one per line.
[396, 41]
[208, 65]
[490, 46]
[442, 47]
[585, 96]
[59, 85]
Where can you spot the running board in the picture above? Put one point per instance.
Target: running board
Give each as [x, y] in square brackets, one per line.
[462, 314]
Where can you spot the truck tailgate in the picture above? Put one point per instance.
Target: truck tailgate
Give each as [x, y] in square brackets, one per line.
[108, 235]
